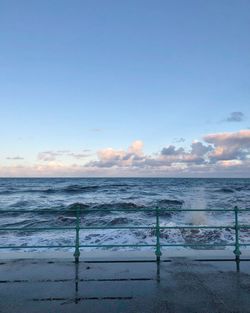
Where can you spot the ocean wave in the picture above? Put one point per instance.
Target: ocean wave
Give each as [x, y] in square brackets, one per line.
[66, 220]
[199, 236]
[7, 191]
[226, 190]
[167, 203]
[97, 210]
[79, 188]
[68, 189]
[119, 221]
[74, 188]
[242, 188]
[20, 204]
[103, 207]
[118, 206]
[77, 205]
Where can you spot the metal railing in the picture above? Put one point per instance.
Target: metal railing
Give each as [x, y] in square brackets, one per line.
[78, 212]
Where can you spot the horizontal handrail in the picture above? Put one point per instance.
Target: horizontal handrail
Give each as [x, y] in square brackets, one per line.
[107, 210]
[24, 229]
[122, 245]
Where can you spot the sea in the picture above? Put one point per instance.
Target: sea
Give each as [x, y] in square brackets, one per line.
[41, 196]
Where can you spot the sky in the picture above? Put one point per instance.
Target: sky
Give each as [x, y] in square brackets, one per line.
[125, 88]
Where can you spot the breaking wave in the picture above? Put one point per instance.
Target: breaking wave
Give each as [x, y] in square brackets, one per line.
[226, 190]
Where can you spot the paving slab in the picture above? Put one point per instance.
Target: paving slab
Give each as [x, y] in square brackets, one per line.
[179, 285]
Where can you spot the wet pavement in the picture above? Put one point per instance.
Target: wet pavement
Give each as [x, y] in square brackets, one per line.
[181, 285]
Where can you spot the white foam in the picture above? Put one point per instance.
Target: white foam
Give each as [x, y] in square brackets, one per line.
[197, 203]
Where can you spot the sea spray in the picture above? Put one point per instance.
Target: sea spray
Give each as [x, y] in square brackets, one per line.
[199, 203]
[201, 218]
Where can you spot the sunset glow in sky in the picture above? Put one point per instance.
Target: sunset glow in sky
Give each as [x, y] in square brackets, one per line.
[125, 88]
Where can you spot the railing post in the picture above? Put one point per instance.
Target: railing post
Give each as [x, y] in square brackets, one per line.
[158, 246]
[77, 250]
[237, 245]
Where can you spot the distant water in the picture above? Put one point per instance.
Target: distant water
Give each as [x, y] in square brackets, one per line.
[121, 193]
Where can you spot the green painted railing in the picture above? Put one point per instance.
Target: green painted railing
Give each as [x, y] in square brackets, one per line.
[78, 212]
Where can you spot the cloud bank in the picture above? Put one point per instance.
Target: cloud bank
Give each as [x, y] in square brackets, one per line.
[215, 155]
[220, 154]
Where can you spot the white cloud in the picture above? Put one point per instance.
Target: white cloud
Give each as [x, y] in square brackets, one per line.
[236, 117]
[15, 158]
[48, 156]
[229, 146]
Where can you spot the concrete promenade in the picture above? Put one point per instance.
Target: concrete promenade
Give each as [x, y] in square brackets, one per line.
[181, 285]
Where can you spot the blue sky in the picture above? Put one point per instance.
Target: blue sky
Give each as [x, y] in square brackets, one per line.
[84, 76]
